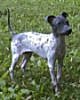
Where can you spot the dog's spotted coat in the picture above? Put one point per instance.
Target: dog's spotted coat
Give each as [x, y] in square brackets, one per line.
[38, 43]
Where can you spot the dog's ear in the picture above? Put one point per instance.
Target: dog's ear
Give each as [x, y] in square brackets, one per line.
[64, 14]
[49, 18]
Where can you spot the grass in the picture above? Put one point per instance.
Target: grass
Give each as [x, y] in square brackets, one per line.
[29, 15]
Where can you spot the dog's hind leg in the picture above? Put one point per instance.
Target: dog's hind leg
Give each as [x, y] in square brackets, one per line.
[15, 58]
[26, 57]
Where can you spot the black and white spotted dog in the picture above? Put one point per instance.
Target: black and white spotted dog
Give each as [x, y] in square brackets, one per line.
[49, 46]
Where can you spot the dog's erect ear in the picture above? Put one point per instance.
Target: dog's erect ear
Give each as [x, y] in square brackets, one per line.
[49, 18]
[64, 14]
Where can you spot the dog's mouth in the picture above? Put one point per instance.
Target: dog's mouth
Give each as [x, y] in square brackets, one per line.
[67, 32]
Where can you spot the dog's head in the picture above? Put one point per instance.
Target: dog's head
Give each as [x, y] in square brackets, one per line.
[60, 24]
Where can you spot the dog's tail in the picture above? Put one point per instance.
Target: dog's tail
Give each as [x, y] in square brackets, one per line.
[9, 25]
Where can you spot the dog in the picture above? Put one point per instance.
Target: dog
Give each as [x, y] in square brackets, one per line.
[49, 46]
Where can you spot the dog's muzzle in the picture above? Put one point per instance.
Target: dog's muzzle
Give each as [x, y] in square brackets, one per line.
[68, 32]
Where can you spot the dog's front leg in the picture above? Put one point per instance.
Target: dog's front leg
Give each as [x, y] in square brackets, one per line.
[51, 65]
[59, 69]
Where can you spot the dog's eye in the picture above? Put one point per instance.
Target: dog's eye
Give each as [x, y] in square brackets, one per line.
[59, 23]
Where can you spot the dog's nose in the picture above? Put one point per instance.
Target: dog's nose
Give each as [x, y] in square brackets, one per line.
[70, 30]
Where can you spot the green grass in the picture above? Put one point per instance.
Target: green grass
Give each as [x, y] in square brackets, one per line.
[28, 15]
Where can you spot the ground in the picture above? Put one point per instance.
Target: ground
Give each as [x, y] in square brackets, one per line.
[28, 15]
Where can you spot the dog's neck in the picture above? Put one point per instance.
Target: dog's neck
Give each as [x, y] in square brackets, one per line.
[59, 38]
[62, 38]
